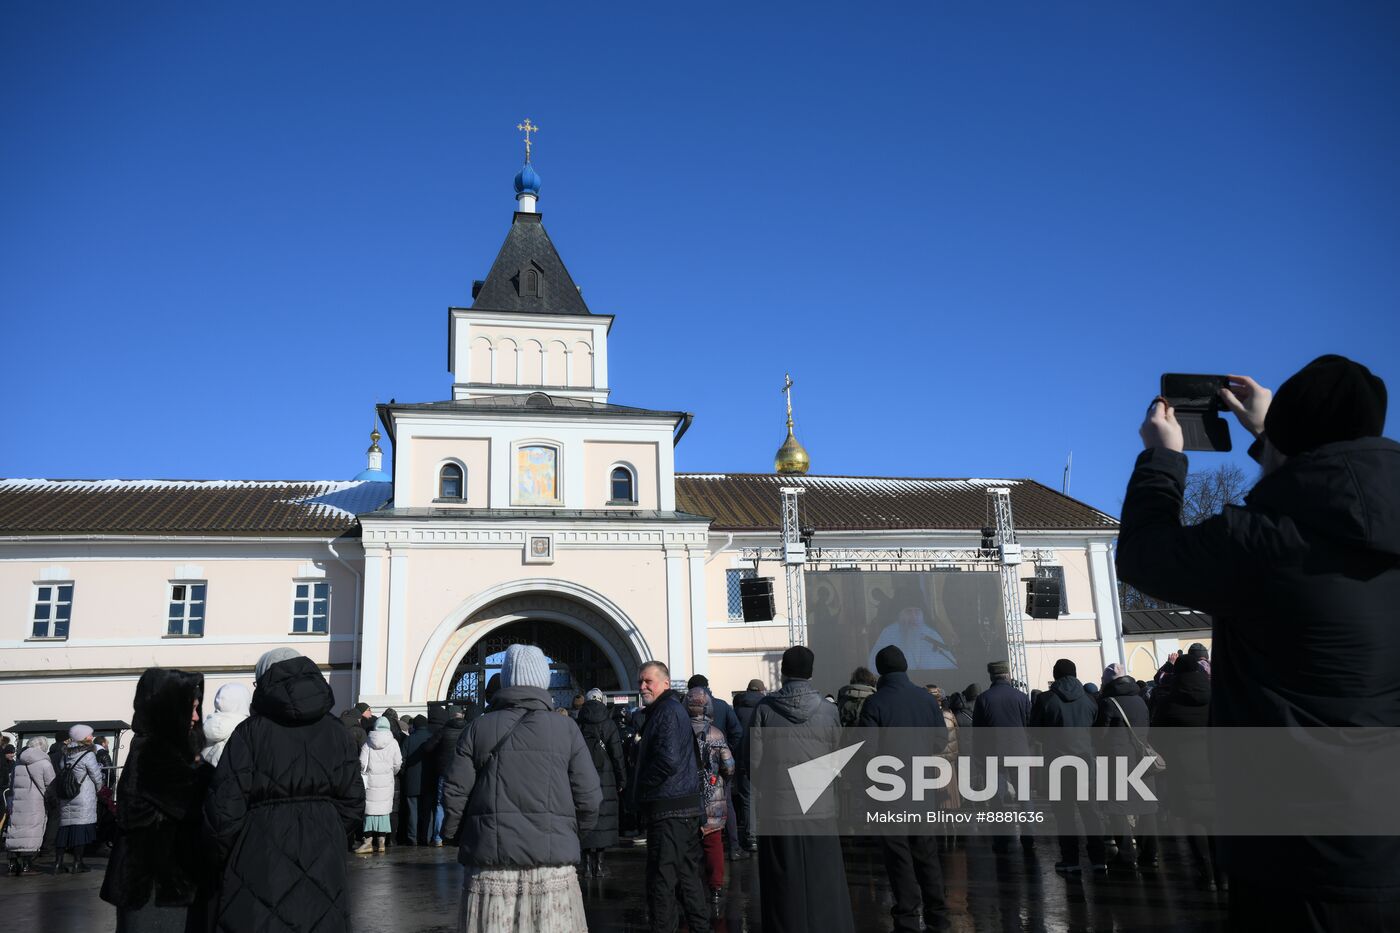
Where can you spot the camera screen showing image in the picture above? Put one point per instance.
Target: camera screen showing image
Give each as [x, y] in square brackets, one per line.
[1196, 399]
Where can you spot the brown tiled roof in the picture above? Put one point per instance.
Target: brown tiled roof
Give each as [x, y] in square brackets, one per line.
[751, 502]
[185, 507]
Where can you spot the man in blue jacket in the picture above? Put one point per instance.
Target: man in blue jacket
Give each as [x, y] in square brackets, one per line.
[910, 861]
[667, 797]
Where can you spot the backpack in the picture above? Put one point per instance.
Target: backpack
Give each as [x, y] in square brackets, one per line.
[70, 782]
[849, 704]
[709, 780]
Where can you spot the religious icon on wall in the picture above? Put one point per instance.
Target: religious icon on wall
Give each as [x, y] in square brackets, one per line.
[536, 476]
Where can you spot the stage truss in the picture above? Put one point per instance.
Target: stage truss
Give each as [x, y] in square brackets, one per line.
[1000, 553]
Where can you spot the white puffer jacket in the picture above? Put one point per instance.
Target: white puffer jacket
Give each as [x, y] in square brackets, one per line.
[380, 760]
[230, 708]
[82, 809]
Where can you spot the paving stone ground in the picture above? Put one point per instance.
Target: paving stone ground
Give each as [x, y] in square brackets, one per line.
[416, 890]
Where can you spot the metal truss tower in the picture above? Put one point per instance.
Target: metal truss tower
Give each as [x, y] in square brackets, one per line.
[794, 557]
[999, 520]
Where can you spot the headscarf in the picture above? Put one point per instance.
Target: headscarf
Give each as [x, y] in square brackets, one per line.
[272, 657]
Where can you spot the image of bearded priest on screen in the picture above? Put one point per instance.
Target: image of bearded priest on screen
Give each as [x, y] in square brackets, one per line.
[923, 647]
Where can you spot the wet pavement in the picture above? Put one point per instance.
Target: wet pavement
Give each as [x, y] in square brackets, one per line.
[410, 890]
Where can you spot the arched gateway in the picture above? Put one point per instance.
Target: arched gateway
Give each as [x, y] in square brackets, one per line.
[586, 647]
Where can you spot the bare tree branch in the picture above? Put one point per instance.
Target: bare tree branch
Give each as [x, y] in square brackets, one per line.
[1207, 493]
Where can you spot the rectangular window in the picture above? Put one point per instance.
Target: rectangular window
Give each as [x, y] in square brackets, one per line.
[311, 608]
[1051, 572]
[736, 602]
[186, 615]
[53, 607]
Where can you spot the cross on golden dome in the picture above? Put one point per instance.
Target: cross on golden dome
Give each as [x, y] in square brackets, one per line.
[527, 128]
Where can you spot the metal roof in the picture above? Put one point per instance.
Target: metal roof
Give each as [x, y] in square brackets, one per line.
[540, 404]
[752, 502]
[527, 246]
[1164, 621]
[316, 508]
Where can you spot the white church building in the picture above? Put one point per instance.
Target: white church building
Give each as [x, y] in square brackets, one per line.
[525, 506]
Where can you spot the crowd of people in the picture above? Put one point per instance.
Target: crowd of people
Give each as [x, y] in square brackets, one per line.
[233, 820]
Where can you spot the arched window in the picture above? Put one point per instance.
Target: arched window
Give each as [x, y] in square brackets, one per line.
[624, 487]
[451, 482]
[530, 283]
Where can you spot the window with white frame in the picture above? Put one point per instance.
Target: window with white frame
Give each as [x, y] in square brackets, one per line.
[623, 486]
[452, 482]
[53, 607]
[735, 600]
[311, 607]
[186, 616]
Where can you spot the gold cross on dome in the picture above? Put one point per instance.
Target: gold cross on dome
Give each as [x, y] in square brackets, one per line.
[527, 127]
[787, 390]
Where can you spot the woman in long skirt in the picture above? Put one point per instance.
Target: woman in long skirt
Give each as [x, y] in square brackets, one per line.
[519, 790]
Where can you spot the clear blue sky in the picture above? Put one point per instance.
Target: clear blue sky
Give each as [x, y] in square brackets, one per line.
[227, 230]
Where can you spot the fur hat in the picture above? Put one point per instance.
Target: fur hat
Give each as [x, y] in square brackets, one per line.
[999, 667]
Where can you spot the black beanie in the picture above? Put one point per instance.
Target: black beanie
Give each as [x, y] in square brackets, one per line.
[1330, 399]
[1065, 668]
[890, 660]
[797, 662]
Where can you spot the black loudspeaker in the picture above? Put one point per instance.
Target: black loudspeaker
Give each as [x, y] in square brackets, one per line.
[756, 594]
[1043, 598]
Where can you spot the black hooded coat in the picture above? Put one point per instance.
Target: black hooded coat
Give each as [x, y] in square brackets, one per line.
[604, 742]
[1302, 582]
[157, 856]
[285, 794]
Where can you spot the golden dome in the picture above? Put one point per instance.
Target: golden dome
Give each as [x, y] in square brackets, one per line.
[792, 457]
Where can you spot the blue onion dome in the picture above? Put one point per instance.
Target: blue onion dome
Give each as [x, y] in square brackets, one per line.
[527, 181]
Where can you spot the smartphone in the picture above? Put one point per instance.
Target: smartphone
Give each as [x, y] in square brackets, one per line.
[1196, 399]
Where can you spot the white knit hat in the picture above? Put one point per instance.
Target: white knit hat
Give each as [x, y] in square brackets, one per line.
[525, 666]
[80, 733]
[594, 694]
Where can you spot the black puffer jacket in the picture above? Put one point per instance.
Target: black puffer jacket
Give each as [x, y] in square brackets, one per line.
[1302, 582]
[1065, 706]
[447, 744]
[156, 857]
[1187, 784]
[604, 743]
[525, 807]
[286, 791]
[744, 705]
[666, 782]
[1112, 738]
